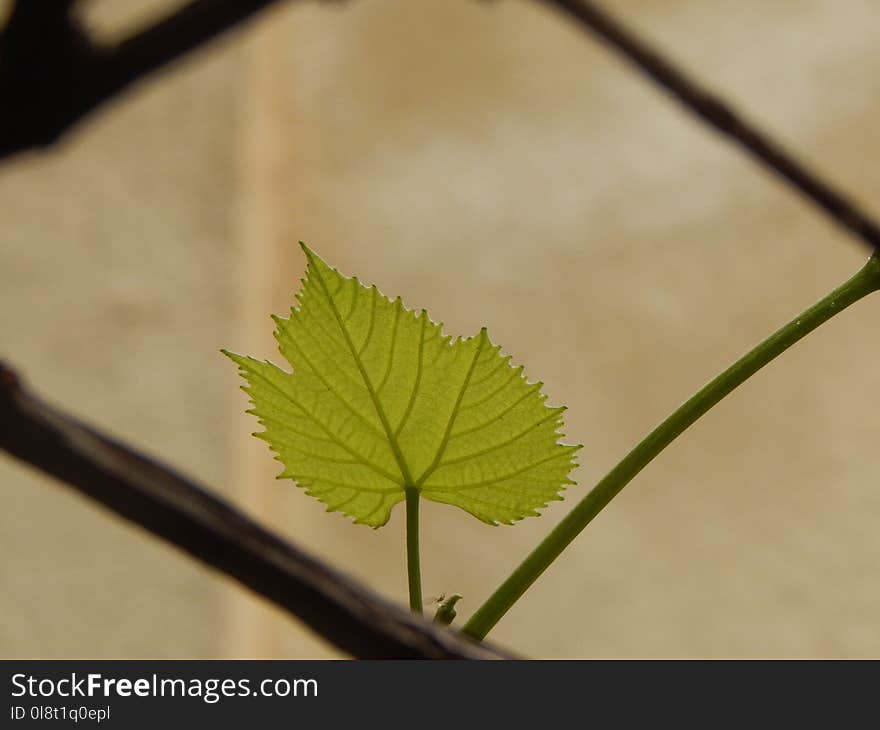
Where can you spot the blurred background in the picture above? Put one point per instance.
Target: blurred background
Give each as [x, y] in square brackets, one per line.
[488, 162]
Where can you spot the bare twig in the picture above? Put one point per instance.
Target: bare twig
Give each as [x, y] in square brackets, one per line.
[52, 74]
[719, 115]
[180, 511]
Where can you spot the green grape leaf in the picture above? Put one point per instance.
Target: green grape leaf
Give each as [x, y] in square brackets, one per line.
[380, 400]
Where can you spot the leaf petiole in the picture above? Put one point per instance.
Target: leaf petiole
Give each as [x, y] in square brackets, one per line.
[864, 282]
[412, 549]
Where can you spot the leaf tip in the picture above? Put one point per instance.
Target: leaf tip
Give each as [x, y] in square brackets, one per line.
[238, 359]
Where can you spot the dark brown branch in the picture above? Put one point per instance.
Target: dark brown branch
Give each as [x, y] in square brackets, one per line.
[180, 511]
[52, 74]
[719, 115]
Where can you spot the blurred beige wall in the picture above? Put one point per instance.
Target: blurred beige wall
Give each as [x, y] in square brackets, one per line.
[487, 162]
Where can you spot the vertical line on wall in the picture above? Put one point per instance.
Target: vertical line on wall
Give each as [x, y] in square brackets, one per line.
[250, 630]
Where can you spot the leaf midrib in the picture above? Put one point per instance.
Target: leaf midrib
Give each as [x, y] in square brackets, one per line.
[380, 411]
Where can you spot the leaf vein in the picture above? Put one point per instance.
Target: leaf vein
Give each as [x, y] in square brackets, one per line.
[504, 361]
[369, 336]
[318, 481]
[513, 373]
[354, 297]
[416, 382]
[330, 387]
[489, 482]
[390, 350]
[490, 421]
[339, 442]
[452, 416]
[392, 441]
[502, 444]
[373, 511]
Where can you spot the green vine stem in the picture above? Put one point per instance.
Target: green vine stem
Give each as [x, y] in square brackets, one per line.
[413, 570]
[864, 282]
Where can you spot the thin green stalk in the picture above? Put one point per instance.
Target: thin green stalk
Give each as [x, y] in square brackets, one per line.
[864, 282]
[412, 550]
